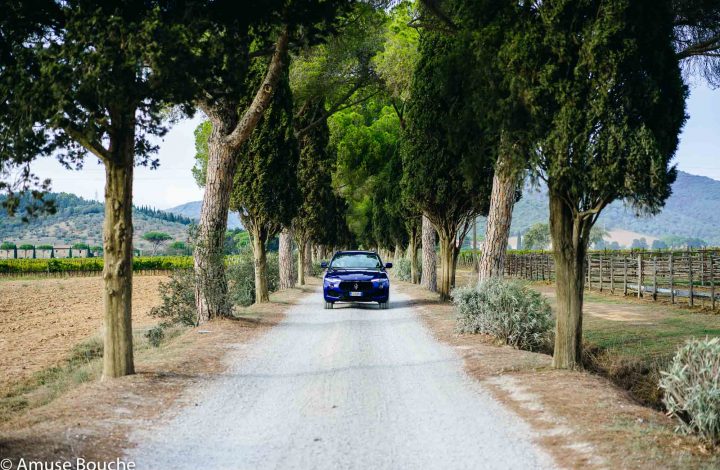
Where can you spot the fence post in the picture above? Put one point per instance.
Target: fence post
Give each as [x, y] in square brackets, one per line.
[690, 277]
[600, 258]
[639, 275]
[672, 284]
[654, 277]
[702, 267]
[612, 275]
[712, 282]
[625, 268]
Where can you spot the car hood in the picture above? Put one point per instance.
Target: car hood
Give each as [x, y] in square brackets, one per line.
[356, 275]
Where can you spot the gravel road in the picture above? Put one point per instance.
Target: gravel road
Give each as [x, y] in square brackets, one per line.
[349, 388]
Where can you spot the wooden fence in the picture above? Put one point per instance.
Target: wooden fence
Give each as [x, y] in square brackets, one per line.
[679, 276]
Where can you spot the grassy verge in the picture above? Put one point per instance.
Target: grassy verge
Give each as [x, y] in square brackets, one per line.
[632, 353]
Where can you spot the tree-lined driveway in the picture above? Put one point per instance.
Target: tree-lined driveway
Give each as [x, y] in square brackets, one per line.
[353, 387]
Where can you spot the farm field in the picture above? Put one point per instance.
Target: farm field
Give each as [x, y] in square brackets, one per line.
[41, 320]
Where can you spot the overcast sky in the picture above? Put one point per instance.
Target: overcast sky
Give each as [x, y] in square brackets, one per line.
[172, 184]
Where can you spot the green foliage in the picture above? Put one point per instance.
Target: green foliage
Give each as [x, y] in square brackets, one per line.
[321, 214]
[27, 246]
[199, 169]
[155, 335]
[265, 191]
[608, 109]
[365, 138]
[177, 301]
[507, 310]
[537, 237]
[396, 62]
[7, 246]
[692, 388]
[155, 237]
[401, 269]
[80, 246]
[241, 277]
[46, 246]
[448, 156]
[178, 248]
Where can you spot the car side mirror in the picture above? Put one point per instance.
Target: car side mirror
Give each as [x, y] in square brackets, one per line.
[324, 264]
[388, 265]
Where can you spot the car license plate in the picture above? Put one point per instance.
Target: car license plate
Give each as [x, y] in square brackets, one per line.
[355, 294]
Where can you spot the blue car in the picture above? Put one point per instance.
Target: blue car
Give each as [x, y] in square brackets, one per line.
[356, 276]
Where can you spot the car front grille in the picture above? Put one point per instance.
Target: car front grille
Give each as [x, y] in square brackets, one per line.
[356, 286]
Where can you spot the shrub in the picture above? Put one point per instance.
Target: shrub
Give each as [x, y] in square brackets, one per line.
[155, 335]
[401, 270]
[178, 300]
[241, 277]
[691, 388]
[507, 310]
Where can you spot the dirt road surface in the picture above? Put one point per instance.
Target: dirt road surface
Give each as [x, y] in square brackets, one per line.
[349, 388]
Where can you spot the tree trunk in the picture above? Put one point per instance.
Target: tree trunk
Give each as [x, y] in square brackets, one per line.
[412, 255]
[397, 254]
[307, 266]
[210, 281]
[569, 252]
[301, 263]
[117, 256]
[260, 257]
[429, 265]
[285, 260]
[447, 247]
[497, 231]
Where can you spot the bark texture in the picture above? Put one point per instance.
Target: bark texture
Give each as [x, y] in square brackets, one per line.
[210, 281]
[307, 262]
[497, 231]
[412, 254]
[285, 260]
[229, 133]
[569, 237]
[117, 255]
[429, 264]
[260, 260]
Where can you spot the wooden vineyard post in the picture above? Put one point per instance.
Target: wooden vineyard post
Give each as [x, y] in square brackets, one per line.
[625, 268]
[601, 273]
[612, 275]
[712, 282]
[655, 277]
[672, 284]
[639, 275]
[690, 278]
[702, 267]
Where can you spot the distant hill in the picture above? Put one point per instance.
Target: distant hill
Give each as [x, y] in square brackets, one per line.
[192, 210]
[693, 210]
[80, 220]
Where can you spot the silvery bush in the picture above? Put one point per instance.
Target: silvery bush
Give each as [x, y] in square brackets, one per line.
[691, 388]
[507, 310]
[401, 270]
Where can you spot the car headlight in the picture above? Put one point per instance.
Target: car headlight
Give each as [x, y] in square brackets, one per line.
[332, 282]
[381, 282]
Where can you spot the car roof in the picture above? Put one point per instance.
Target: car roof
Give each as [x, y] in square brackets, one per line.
[356, 252]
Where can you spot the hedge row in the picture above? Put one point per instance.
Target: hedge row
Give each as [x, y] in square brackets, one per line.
[61, 265]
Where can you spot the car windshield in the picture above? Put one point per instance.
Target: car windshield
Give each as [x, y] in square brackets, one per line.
[356, 261]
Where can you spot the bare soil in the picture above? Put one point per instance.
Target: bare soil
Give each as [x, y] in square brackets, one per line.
[582, 419]
[93, 420]
[41, 320]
